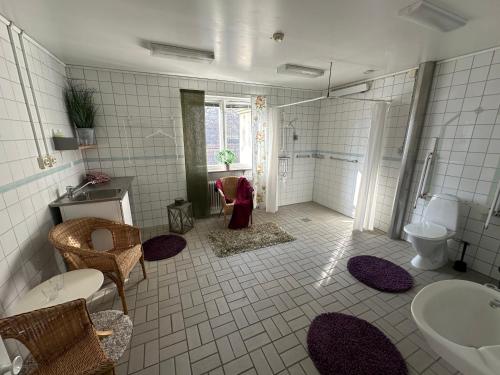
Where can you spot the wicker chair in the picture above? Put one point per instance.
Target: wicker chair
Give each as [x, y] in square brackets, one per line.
[229, 184]
[61, 340]
[73, 240]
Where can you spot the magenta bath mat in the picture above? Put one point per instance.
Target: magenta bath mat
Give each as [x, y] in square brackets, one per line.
[380, 274]
[342, 344]
[162, 247]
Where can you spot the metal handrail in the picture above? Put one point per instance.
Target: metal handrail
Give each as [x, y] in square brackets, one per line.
[342, 159]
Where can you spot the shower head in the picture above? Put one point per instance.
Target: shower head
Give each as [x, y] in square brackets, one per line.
[290, 123]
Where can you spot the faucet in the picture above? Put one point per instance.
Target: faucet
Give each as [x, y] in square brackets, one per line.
[72, 191]
[494, 303]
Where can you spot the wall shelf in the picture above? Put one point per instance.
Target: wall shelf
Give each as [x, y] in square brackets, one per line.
[65, 143]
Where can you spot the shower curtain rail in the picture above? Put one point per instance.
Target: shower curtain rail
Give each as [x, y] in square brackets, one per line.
[332, 97]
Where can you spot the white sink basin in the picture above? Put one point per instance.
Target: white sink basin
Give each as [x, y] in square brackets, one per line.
[458, 322]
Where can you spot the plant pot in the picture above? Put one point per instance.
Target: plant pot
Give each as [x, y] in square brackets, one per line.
[228, 166]
[86, 136]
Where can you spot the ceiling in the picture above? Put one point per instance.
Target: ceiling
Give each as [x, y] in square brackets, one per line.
[356, 34]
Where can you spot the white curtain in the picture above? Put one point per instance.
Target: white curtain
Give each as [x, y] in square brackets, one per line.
[273, 137]
[364, 216]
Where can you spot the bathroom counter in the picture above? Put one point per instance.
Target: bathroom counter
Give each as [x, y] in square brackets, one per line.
[118, 186]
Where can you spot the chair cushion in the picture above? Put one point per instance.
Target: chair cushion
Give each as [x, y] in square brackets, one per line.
[121, 325]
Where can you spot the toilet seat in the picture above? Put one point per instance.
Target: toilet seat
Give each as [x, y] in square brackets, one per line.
[427, 230]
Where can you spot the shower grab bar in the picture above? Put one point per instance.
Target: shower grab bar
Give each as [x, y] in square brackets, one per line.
[318, 156]
[342, 159]
[422, 184]
[495, 207]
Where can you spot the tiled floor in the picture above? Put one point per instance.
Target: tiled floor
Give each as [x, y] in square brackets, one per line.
[249, 313]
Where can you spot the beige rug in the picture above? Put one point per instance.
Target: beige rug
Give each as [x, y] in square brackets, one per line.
[226, 242]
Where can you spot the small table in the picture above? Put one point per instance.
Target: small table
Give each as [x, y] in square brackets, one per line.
[77, 284]
[180, 217]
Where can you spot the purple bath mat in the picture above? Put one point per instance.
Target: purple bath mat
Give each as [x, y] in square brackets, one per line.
[380, 274]
[342, 344]
[162, 247]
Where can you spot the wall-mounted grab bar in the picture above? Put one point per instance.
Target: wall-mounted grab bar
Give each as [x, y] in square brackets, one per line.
[495, 207]
[424, 177]
[342, 159]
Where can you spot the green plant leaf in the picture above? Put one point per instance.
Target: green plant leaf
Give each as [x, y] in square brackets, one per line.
[226, 156]
[80, 105]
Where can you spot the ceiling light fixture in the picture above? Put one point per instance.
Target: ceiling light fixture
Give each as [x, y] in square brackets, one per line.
[183, 53]
[430, 15]
[357, 89]
[299, 70]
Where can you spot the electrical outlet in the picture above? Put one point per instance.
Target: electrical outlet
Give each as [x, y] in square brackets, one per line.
[41, 162]
[49, 160]
[52, 159]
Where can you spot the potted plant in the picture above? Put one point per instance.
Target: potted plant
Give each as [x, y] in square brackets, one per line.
[226, 157]
[81, 111]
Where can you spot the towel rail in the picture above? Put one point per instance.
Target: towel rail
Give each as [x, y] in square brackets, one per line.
[424, 177]
[495, 207]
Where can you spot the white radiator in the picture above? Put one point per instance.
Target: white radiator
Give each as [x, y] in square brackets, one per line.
[215, 204]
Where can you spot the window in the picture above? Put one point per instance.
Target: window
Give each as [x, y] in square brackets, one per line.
[228, 126]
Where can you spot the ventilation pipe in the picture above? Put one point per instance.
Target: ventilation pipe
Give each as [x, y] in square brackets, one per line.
[41, 163]
[418, 109]
[49, 160]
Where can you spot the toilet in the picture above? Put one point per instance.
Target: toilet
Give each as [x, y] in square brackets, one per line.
[429, 237]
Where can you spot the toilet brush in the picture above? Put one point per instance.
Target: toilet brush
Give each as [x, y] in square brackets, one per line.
[460, 265]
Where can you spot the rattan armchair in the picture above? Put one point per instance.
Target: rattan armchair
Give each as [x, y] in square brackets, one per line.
[61, 340]
[73, 240]
[227, 197]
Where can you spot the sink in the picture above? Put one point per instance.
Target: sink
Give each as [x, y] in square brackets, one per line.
[97, 194]
[101, 193]
[459, 323]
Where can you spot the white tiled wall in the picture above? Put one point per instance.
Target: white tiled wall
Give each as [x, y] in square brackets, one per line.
[26, 258]
[464, 114]
[297, 186]
[133, 105]
[343, 133]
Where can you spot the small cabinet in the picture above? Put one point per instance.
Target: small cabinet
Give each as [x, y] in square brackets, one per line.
[117, 210]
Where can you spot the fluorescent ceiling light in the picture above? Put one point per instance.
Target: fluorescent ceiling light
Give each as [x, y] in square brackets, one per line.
[350, 90]
[298, 70]
[184, 53]
[427, 14]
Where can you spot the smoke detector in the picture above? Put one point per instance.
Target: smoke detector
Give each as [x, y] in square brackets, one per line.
[278, 36]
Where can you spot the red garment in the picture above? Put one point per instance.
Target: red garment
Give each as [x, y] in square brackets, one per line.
[243, 204]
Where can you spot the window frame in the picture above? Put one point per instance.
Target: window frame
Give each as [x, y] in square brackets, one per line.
[222, 101]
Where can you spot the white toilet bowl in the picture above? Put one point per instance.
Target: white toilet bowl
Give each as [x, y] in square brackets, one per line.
[429, 237]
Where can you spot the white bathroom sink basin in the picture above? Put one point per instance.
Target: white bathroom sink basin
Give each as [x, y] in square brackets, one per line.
[457, 320]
